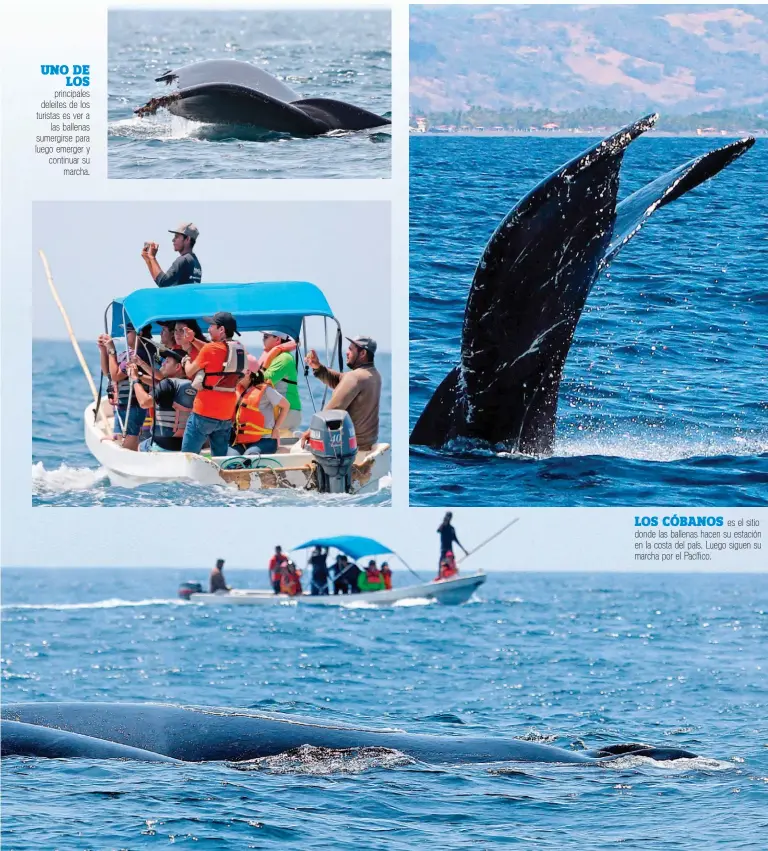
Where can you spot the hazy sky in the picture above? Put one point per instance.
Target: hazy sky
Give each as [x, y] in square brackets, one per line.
[94, 250]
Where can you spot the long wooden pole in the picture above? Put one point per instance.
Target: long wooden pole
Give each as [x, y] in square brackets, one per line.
[72, 338]
[488, 540]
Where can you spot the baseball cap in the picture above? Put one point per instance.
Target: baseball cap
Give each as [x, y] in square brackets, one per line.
[226, 320]
[173, 353]
[186, 229]
[278, 334]
[367, 343]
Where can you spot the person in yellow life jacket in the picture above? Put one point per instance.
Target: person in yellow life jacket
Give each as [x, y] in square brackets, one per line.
[290, 580]
[259, 415]
[371, 579]
[448, 568]
[387, 574]
[278, 362]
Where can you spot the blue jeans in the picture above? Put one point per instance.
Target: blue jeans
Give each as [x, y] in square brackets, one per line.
[148, 446]
[199, 428]
[136, 418]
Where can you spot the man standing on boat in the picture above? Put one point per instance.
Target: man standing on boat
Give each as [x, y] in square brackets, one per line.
[276, 565]
[186, 268]
[447, 537]
[217, 582]
[319, 582]
[358, 391]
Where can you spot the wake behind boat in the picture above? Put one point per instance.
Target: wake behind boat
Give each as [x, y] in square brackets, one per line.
[450, 592]
[331, 461]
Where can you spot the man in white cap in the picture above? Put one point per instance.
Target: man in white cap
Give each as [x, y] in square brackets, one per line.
[358, 392]
[186, 268]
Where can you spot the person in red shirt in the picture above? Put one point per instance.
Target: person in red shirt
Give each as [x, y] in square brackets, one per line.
[222, 363]
[276, 565]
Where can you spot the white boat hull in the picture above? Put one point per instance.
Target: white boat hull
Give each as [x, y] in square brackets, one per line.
[449, 592]
[292, 469]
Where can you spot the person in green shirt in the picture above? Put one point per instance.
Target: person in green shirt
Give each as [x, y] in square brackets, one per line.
[278, 362]
[371, 579]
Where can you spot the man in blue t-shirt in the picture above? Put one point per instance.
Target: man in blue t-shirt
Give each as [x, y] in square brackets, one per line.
[186, 268]
[448, 536]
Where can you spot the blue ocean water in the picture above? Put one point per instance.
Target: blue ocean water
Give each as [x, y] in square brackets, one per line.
[665, 391]
[64, 473]
[341, 54]
[573, 659]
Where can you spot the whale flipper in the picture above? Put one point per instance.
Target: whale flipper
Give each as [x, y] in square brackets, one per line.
[530, 288]
[19, 739]
[229, 71]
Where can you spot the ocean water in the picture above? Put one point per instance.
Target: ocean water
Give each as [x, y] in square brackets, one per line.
[64, 473]
[665, 391]
[576, 660]
[340, 54]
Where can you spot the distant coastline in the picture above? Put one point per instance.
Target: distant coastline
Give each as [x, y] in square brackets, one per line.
[592, 133]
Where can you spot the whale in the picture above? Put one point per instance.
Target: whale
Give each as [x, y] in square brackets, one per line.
[530, 287]
[227, 91]
[168, 733]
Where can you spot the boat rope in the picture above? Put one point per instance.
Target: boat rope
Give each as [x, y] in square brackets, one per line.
[488, 540]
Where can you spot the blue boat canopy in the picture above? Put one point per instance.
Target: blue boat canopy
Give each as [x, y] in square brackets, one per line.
[351, 545]
[265, 306]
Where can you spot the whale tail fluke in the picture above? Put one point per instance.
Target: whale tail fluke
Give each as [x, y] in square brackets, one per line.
[530, 288]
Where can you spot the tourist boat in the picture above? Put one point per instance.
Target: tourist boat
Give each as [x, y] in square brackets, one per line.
[449, 592]
[283, 306]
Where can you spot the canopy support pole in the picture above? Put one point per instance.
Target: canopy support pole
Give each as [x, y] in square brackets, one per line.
[408, 566]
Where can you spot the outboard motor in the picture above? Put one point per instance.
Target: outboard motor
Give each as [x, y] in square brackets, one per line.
[187, 589]
[333, 445]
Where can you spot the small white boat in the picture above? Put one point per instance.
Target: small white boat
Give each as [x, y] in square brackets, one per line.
[449, 592]
[281, 305]
[291, 467]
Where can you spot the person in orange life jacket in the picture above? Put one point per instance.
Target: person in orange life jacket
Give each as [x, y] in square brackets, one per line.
[387, 574]
[278, 362]
[448, 568]
[259, 415]
[217, 582]
[172, 400]
[371, 579]
[358, 391]
[186, 268]
[276, 565]
[129, 417]
[222, 363]
[290, 579]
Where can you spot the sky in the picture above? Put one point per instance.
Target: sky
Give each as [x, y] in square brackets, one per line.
[343, 247]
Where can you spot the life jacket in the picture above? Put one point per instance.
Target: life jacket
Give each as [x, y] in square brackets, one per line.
[373, 575]
[290, 583]
[448, 567]
[266, 358]
[276, 566]
[231, 372]
[387, 574]
[170, 422]
[249, 420]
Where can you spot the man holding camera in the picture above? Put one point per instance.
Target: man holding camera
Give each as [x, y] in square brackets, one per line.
[186, 268]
